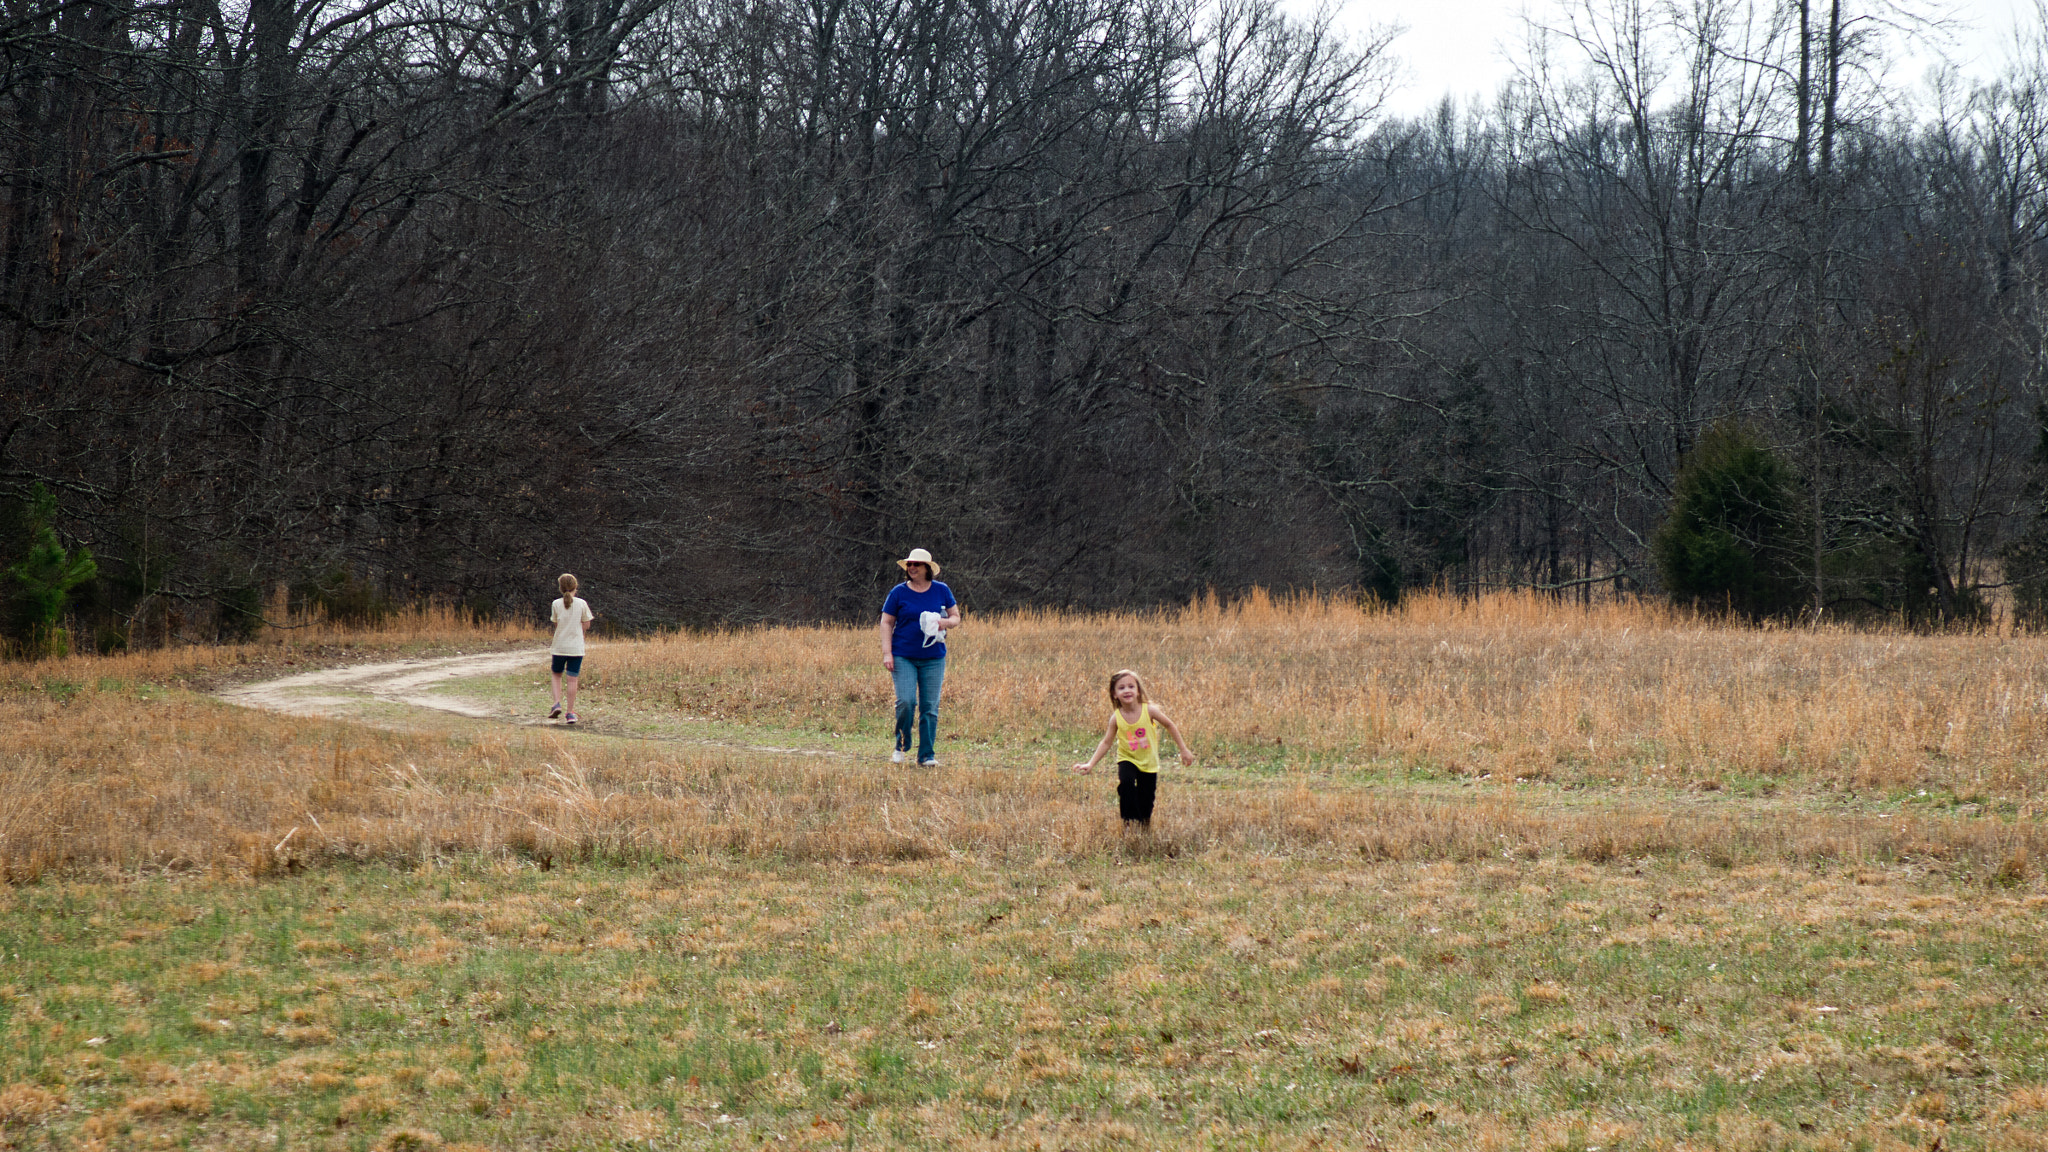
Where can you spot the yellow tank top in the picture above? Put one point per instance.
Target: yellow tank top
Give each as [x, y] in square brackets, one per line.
[1139, 742]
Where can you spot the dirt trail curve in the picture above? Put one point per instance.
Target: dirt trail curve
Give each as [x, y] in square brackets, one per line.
[342, 691]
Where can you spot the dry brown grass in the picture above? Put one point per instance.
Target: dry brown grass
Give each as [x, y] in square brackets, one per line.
[109, 781]
[304, 638]
[1511, 686]
[1286, 964]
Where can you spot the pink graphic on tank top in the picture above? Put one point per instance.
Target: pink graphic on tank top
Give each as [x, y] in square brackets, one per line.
[1139, 741]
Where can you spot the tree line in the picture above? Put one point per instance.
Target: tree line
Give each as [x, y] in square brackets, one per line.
[723, 303]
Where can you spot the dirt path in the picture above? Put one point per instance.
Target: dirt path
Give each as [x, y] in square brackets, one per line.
[342, 692]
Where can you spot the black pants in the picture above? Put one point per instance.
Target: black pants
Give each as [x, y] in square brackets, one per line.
[1135, 791]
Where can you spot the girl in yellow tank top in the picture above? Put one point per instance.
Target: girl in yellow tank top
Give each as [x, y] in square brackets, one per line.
[1137, 738]
[1133, 728]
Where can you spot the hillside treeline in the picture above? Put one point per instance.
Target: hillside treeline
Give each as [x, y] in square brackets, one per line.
[723, 304]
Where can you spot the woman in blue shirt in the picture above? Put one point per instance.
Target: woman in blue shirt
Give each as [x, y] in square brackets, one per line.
[915, 619]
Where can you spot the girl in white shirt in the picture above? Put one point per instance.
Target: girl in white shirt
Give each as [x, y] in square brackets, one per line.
[570, 614]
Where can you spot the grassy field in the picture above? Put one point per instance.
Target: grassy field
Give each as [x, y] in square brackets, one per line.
[1466, 875]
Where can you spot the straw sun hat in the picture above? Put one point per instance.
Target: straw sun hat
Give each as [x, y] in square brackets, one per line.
[919, 556]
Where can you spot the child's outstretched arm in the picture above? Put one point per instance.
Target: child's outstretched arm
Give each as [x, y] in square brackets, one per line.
[1108, 738]
[1187, 754]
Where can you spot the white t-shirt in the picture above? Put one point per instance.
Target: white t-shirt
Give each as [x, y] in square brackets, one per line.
[569, 624]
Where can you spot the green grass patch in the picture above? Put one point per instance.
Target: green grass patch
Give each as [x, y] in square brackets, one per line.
[1163, 1003]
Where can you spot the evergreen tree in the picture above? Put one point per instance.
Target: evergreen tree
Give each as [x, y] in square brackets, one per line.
[44, 578]
[1729, 539]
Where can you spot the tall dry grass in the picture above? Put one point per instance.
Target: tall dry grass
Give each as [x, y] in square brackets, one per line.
[112, 781]
[1512, 685]
[429, 623]
[105, 775]
[301, 637]
[112, 778]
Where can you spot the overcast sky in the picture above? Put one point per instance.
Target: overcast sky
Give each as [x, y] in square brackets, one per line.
[1464, 47]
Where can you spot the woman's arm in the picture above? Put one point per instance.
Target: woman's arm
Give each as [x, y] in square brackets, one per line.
[1187, 754]
[1108, 738]
[887, 630]
[951, 619]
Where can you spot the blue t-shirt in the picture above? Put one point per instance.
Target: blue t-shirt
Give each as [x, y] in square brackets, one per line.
[906, 606]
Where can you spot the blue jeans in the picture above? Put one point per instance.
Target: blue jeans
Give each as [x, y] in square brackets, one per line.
[917, 694]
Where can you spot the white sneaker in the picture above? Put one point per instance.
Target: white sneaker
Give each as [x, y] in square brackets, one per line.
[896, 757]
[927, 763]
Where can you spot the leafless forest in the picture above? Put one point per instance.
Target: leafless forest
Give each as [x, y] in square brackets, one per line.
[722, 304]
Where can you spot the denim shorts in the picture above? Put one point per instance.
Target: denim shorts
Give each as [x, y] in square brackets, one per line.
[573, 665]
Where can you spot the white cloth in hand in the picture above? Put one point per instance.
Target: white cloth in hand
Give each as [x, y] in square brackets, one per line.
[928, 622]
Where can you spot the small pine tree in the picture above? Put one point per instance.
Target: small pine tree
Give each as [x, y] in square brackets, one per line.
[44, 578]
[1729, 538]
